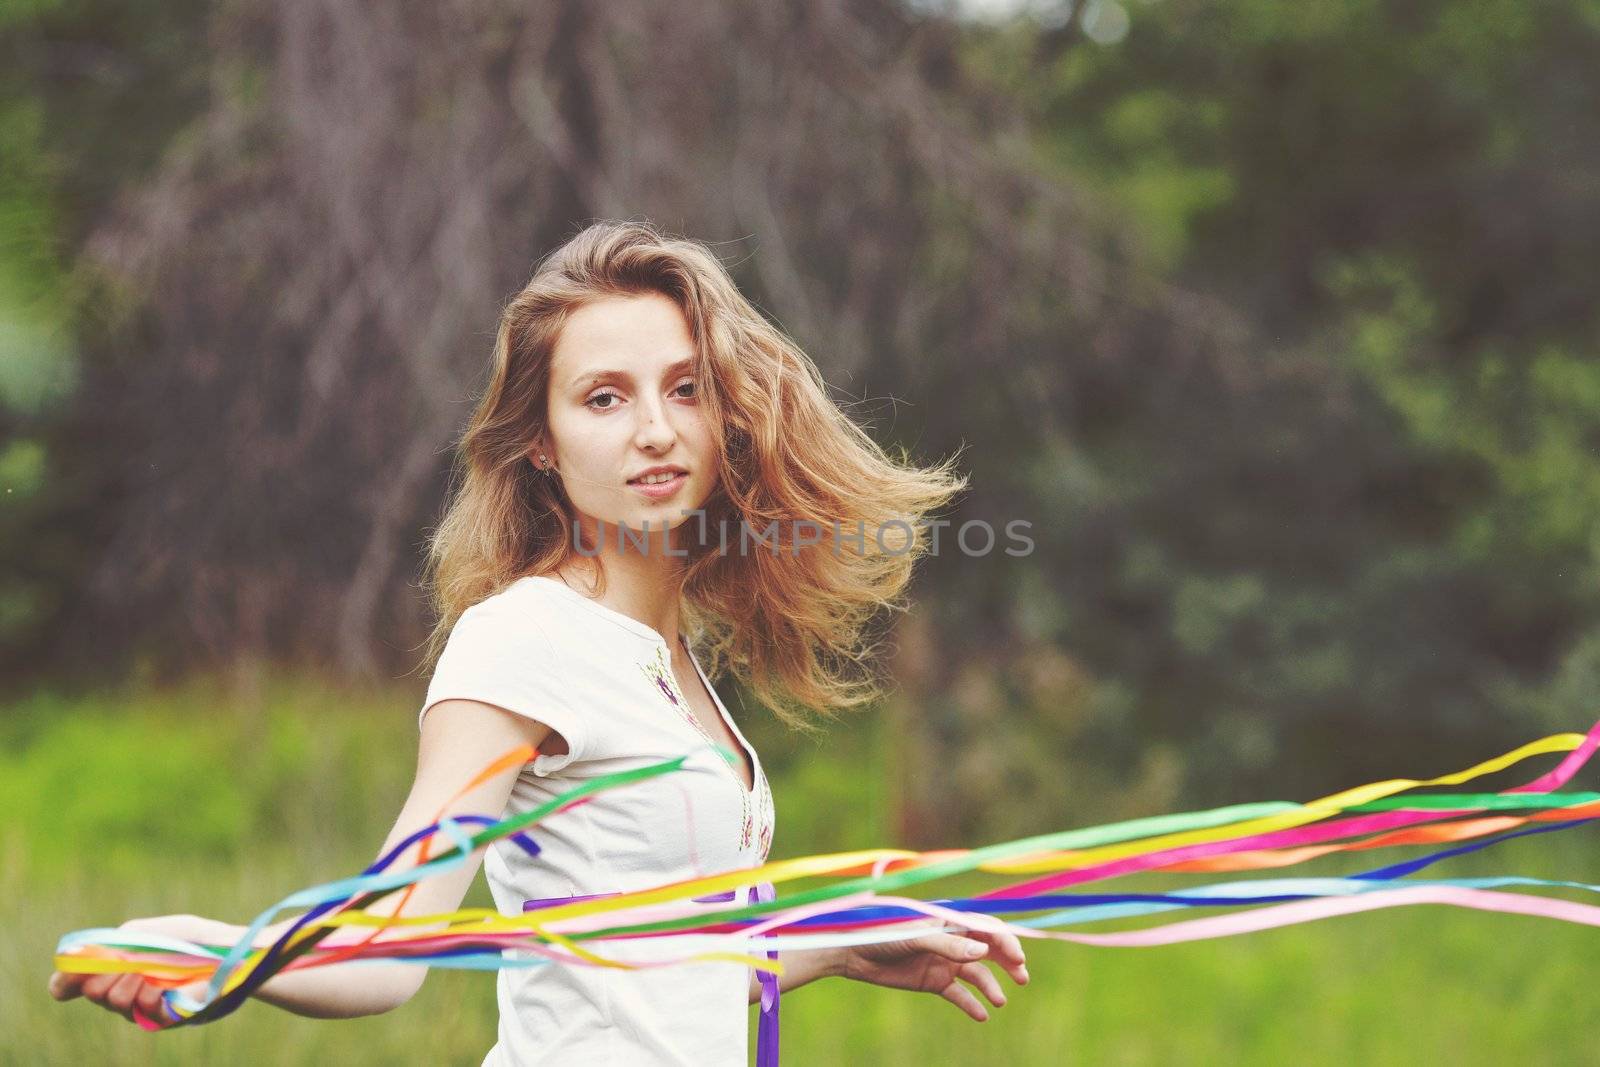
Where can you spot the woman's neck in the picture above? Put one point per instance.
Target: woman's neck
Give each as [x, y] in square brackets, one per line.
[645, 587]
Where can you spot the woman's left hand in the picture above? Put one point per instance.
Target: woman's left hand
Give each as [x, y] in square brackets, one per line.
[939, 963]
[120, 991]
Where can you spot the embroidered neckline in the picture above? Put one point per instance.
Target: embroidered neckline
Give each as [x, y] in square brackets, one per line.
[665, 682]
[755, 825]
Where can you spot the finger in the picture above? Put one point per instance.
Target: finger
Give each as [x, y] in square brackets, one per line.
[954, 947]
[1007, 952]
[1007, 944]
[95, 986]
[64, 986]
[983, 979]
[962, 997]
[120, 997]
[149, 1002]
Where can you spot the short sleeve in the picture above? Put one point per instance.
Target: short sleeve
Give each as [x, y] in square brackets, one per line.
[500, 655]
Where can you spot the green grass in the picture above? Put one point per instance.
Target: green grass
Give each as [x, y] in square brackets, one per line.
[147, 804]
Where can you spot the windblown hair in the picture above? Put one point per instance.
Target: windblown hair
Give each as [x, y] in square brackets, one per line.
[792, 624]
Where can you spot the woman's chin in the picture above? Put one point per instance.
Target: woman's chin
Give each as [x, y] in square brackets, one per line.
[652, 519]
[630, 525]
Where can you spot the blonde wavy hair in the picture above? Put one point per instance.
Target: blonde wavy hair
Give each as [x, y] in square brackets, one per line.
[791, 625]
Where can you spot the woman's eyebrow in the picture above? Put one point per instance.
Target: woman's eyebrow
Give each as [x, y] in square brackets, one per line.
[590, 377]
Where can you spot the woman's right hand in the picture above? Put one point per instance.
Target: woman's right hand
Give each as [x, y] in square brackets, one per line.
[120, 992]
[458, 737]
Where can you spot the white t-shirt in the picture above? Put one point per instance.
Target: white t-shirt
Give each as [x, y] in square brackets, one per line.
[604, 682]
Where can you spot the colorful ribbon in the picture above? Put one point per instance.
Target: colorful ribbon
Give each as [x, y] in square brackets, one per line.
[863, 900]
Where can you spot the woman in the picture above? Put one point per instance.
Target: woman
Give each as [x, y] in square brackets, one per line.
[651, 457]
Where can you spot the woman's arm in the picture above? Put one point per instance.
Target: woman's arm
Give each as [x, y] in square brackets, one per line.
[458, 738]
[801, 966]
[932, 963]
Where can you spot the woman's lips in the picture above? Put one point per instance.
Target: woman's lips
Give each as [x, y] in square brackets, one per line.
[660, 490]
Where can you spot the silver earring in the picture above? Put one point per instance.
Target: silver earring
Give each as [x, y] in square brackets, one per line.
[543, 469]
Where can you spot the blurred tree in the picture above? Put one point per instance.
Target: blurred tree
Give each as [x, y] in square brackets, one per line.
[1272, 319]
[1389, 532]
[89, 93]
[320, 250]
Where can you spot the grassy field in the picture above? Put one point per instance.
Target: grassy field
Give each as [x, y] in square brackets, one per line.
[181, 802]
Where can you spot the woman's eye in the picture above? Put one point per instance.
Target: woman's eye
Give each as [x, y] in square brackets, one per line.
[685, 385]
[591, 402]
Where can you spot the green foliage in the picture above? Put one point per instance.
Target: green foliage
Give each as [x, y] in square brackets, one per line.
[225, 817]
[22, 467]
[125, 787]
[182, 775]
[1380, 520]
[1530, 420]
[15, 12]
[89, 96]
[36, 359]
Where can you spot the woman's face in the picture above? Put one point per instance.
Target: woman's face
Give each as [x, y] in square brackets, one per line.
[624, 399]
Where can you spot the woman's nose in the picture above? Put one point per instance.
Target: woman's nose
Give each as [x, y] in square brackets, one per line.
[653, 431]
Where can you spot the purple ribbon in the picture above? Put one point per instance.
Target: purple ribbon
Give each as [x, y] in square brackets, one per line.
[767, 1029]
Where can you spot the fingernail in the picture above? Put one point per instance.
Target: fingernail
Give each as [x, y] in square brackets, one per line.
[1023, 972]
[974, 951]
